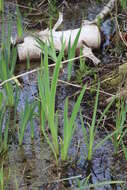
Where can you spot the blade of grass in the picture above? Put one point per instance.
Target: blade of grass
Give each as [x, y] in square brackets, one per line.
[84, 131]
[19, 23]
[2, 178]
[71, 52]
[1, 5]
[124, 150]
[70, 128]
[92, 128]
[26, 116]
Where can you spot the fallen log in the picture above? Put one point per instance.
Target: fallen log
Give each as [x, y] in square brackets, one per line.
[89, 39]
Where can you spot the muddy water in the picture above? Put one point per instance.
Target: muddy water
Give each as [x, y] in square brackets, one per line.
[31, 167]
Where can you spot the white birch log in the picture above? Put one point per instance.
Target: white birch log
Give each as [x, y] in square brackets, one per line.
[89, 38]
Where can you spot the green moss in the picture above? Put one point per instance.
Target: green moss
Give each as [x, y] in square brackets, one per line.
[117, 80]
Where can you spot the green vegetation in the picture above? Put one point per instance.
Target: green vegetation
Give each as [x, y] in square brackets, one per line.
[72, 52]
[19, 23]
[69, 125]
[90, 136]
[3, 137]
[47, 94]
[84, 184]
[26, 115]
[123, 3]
[43, 106]
[7, 64]
[120, 123]
[97, 185]
[84, 70]
[1, 5]
[1, 179]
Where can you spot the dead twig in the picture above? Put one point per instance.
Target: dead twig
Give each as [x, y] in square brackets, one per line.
[36, 70]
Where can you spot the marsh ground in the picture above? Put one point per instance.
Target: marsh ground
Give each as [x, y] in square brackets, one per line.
[32, 166]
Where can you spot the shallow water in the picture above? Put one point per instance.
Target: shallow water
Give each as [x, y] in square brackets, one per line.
[32, 166]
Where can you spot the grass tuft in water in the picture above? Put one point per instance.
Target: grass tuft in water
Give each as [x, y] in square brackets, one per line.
[69, 125]
[4, 126]
[47, 93]
[120, 122]
[26, 117]
[89, 137]
[7, 64]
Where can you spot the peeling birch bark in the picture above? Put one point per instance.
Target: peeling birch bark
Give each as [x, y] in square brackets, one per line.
[106, 11]
[90, 38]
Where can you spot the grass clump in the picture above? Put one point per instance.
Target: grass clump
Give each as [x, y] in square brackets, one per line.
[69, 125]
[4, 125]
[26, 117]
[8, 59]
[47, 93]
[120, 123]
[89, 137]
[3, 132]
